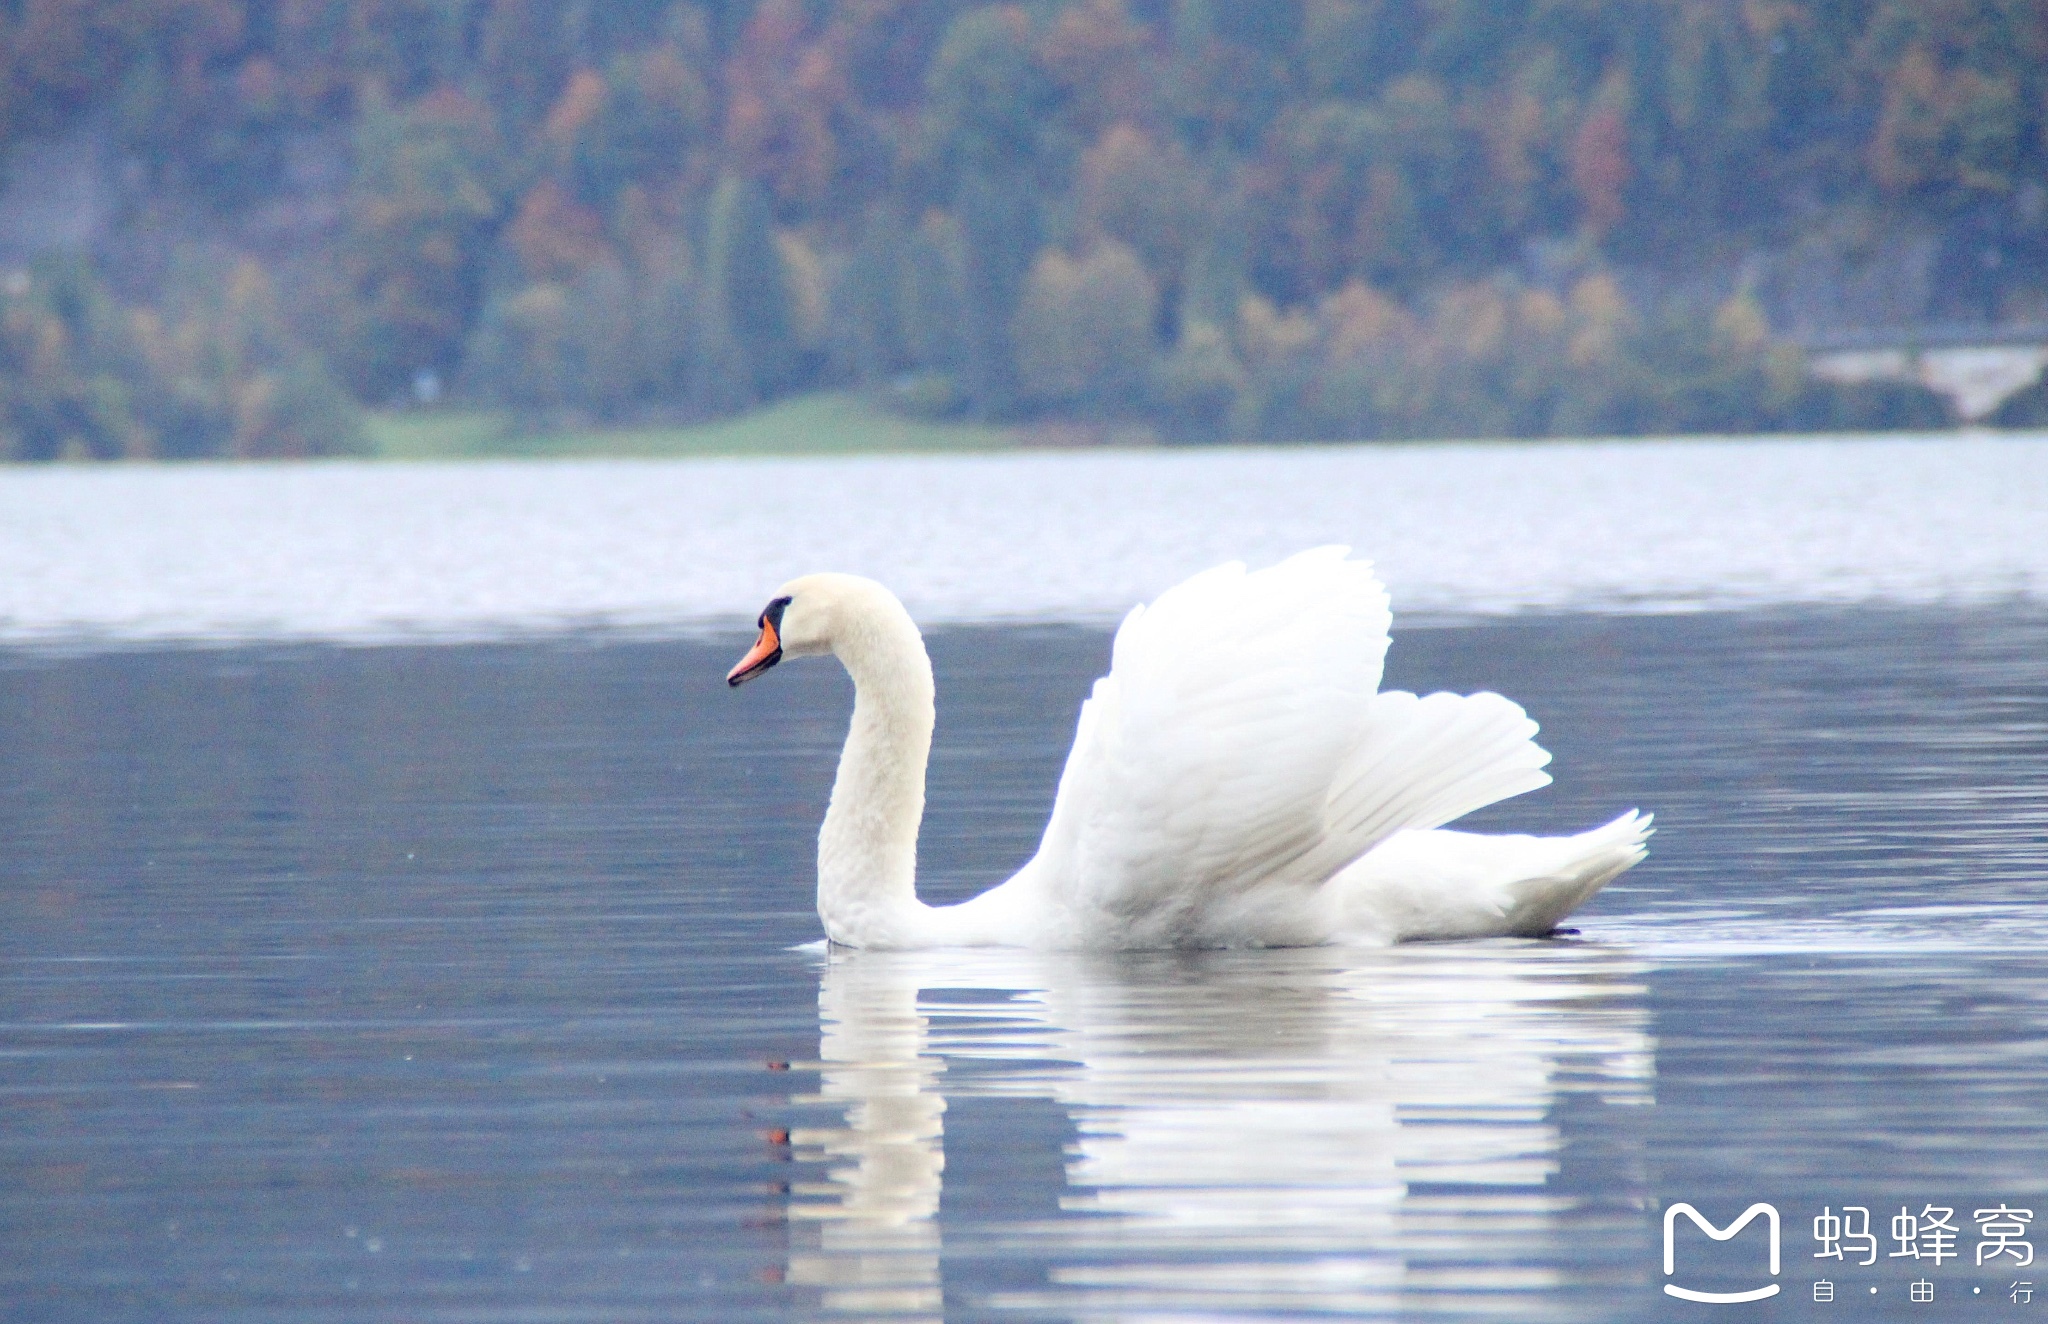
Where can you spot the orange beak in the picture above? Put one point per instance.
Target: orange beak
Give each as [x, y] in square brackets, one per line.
[765, 653]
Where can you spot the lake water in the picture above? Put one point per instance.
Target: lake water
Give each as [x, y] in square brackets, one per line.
[466, 983]
[345, 977]
[364, 551]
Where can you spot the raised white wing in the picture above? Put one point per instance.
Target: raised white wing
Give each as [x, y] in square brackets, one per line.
[1237, 756]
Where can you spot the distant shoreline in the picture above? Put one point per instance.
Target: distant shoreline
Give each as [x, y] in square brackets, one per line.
[845, 423]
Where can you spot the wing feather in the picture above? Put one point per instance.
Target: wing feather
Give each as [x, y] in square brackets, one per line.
[1238, 755]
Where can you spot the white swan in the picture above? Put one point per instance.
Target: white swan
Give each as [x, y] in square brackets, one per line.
[1237, 780]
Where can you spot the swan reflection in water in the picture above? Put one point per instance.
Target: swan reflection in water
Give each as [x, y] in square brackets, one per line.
[1254, 1130]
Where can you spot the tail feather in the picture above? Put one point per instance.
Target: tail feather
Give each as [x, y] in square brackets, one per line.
[1540, 901]
[1442, 884]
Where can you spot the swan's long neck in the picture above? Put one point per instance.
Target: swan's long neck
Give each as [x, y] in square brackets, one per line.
[867, 850]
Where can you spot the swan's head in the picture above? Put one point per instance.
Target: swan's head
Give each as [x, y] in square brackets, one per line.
[815, 615]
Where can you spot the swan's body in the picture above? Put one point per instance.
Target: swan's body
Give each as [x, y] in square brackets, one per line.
[1237, 780]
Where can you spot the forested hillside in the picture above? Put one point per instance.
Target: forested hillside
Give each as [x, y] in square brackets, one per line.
[1230, 218]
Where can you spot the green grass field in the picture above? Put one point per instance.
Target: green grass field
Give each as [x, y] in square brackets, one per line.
[826, 424]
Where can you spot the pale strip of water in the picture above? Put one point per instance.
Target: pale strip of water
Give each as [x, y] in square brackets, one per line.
[367, 551]
[439, 984]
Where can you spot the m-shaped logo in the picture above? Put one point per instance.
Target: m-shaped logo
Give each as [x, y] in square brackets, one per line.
[1718, 1234]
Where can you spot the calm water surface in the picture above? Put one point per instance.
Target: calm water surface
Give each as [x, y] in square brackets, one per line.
[465, 983]
[369, 551]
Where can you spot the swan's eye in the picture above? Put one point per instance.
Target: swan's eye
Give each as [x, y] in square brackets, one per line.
[772, 614]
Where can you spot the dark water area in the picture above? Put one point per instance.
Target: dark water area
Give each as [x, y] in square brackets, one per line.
[461, 983]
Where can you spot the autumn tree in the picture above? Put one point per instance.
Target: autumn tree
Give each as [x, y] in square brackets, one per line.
[429, 193]
[1084, 329]
[750, 330]
[1144, 193]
